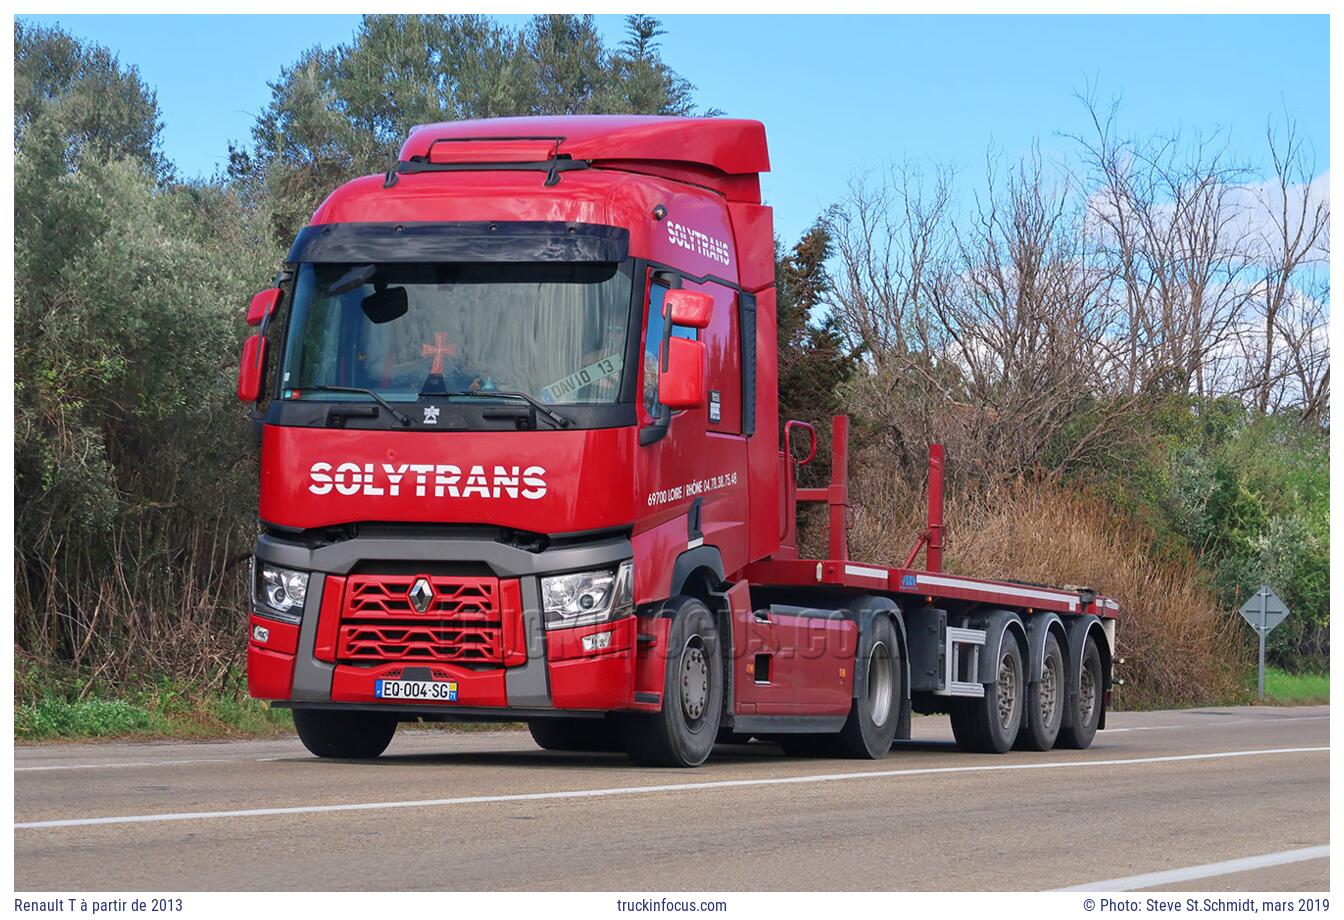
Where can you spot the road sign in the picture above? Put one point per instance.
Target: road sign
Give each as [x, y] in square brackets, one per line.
[1264, 611]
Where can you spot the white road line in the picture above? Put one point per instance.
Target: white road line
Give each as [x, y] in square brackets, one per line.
[1208, 870]
[176, 763]
[1269, 721]
[646, 790]
[140, 763]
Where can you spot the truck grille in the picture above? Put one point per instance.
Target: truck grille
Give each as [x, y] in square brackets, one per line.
[462, 621]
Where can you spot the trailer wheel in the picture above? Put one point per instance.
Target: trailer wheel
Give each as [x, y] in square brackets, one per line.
[1045, 701]
[989, 724]
[595, 735]
[1082, 728]
[350, 733]
[683, 733]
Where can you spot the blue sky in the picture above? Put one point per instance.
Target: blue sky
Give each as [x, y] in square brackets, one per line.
[838, 94]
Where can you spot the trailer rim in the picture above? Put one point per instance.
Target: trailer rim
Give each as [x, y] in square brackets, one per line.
[1006, 697]
[880, 683]
[1087, 695]
[1048, 693]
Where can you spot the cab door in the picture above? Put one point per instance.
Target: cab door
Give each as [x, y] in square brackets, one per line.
[693, 461]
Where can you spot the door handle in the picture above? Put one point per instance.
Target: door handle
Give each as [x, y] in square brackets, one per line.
[762, 616]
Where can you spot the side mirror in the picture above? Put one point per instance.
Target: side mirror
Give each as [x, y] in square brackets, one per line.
[682, 384]
[263, 306]
[252, 368]
[689, 308]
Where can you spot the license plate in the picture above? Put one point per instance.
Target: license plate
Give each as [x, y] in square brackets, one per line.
[443, 691]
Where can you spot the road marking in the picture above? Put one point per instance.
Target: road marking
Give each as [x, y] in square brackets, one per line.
[141, 763]
[1208, 870]
[174, 763]
[647, 790]
[1269, 721]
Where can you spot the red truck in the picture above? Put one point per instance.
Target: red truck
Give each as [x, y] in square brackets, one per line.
[521, 461]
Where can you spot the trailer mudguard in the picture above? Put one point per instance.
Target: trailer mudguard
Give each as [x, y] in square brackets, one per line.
[1079, 628]
[1038, 629]
[864, 609]
[996, 624]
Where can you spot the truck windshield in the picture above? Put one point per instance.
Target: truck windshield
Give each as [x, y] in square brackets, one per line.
[554, 331]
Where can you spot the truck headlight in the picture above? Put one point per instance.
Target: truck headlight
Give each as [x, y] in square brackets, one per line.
[279, 590]
[584, 598]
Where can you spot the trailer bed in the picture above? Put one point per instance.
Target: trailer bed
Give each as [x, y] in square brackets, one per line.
[844, 573]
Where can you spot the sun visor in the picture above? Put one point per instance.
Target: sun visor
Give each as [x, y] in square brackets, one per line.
[474, 241]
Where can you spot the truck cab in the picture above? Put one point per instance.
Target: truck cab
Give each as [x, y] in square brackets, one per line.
[514, 395]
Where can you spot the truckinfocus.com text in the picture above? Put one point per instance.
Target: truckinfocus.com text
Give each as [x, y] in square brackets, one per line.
[661, 905]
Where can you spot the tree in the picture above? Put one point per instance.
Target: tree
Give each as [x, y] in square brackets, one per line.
[342, 112]
[131, 457]
[80, 101]
[814, 362]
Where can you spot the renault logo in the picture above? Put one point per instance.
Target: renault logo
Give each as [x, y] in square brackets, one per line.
[421, 595]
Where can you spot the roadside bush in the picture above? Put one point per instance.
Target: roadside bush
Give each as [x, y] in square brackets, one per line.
[134, 470]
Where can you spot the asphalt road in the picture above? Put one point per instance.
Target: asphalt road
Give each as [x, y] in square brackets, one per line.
[1160, 791]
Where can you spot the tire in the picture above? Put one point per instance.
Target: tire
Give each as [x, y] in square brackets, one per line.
[682, 734]
[989, 724]
[352, 734]
[1045, 701]
[1086, 715]
[876, 710]
[561, 734]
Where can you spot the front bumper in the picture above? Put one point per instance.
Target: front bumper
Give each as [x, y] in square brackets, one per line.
[295, 663]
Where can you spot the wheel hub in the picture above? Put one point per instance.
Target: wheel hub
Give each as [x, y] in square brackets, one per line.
[694, 680]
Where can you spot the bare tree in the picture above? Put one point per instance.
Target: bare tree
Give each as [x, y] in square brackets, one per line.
[990, 333]
[1171, 216]
[1025, 330]
[1285, 350]
[894, 249]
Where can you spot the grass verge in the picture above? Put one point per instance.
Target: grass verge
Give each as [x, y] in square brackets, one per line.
[1287, 689]
[162, 713]
[52, 704]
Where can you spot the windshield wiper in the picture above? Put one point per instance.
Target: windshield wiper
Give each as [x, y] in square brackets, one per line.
[405, 422]
[558, 420]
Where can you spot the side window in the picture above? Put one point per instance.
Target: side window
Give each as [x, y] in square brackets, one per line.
[653, 344]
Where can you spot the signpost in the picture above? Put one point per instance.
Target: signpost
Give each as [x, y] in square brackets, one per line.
[1264, 611]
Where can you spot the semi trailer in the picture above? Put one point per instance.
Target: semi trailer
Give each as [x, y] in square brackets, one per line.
[521, 461]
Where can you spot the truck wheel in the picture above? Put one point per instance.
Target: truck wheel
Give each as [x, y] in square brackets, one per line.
[351, 733]
[597, 735]
[1045, 702]
[871, 726]
[989, 724]
[1082, 728]
[683, 733]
